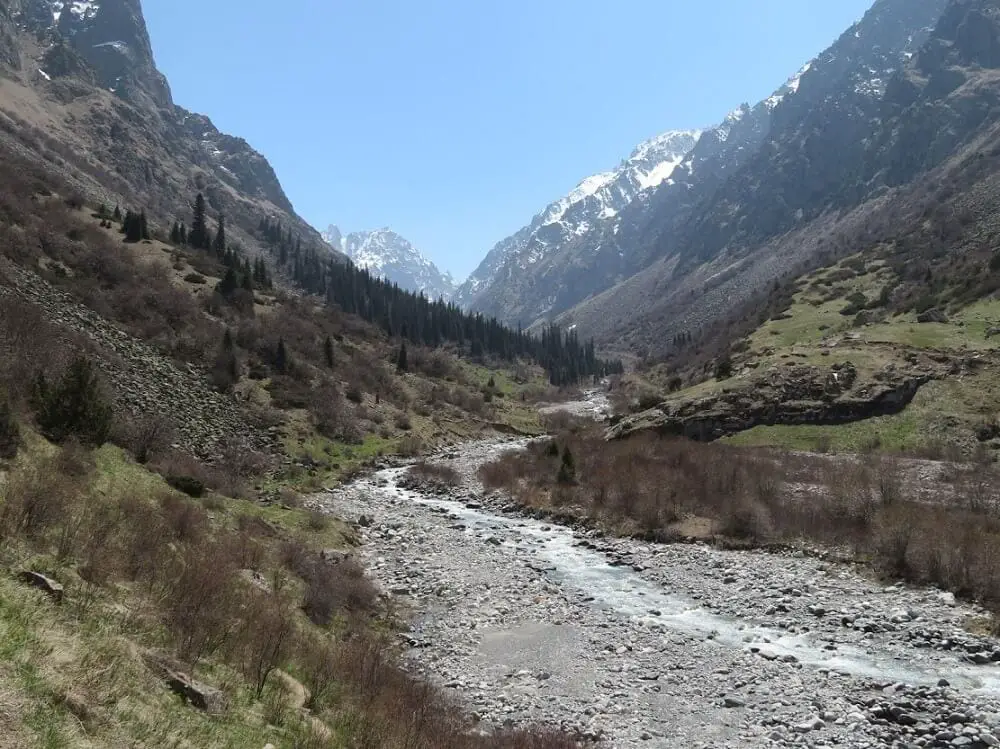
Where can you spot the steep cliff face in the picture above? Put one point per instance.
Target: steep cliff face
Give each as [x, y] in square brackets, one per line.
[81, 74]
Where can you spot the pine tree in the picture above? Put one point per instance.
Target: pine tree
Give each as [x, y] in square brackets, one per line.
[567, 468]
[74, 407]
[183, 234]
[117, 215]
[102, 212]
[175, 234]
[143, 225]
[225, 372]
[281, 357]
[401, 363]
[219, 245]
[132, 226]
[198, 237]
[328, 351]
[228, 284]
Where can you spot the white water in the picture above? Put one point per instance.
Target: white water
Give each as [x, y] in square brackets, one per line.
[626, 593]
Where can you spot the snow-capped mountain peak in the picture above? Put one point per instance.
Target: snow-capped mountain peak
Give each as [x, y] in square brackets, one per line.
[595, 199]
[392, 257]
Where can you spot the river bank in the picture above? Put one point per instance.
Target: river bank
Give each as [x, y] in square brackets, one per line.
[665, 645]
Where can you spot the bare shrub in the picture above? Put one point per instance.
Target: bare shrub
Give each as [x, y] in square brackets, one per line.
[265, 637]
[410, 446]
[201, 606]
[35, 500]
[10, 432]
[332, 588]
[435, 473]
[144, 437]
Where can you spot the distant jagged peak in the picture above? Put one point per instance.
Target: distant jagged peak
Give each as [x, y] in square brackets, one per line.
[390, 256]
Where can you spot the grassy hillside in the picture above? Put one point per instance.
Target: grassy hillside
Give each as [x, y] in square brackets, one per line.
[850, 313]
[259, 611]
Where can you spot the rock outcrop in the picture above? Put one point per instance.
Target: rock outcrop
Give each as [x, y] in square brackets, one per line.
[791, 395]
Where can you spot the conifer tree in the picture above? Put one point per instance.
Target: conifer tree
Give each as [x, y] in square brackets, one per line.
[228, 284]
[281, 357]
[567, 467]
[183, 234]
[328, 351]
[132, 227]
[117, 215]
[73, 407]
[401, 363]
[198, 237]
[219, 245]
[143, 225]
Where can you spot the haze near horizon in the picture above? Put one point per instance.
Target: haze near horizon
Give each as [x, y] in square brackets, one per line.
[454, 124]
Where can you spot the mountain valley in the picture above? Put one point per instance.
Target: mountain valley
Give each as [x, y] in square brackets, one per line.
[704, 455]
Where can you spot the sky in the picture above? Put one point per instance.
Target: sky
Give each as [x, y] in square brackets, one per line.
[455, 121]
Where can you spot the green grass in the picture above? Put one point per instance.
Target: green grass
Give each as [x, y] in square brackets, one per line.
[944, 412]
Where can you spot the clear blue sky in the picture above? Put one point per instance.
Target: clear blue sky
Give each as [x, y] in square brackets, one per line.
[455, 121]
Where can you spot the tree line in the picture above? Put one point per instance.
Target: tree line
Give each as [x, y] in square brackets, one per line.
[414, 318]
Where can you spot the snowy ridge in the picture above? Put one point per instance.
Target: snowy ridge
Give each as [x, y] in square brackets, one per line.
[594, 200]
[392, 257]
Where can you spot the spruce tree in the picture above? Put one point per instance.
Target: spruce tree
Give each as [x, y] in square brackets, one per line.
[183, 234]
[117, 215]
[219, 245]
[132, 226]
[143, 225]
[401, 363]
[228, 284]
[328, 351]
[567, 468]
[198, 237]
[74, 407]
[281, 357]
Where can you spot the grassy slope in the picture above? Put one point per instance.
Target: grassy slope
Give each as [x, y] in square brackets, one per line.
[73, 676]
[813, 331]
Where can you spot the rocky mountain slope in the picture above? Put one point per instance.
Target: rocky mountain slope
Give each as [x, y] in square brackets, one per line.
[768, 169]
[81, 94]
[392, 257]
[596, 200]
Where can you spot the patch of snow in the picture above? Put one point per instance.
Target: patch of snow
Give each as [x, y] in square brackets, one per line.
[84, 8]
[44, 75]
[118, 45]
[659, 173]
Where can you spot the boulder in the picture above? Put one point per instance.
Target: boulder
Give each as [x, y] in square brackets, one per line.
[46, 584]
[932, 315]
[202, 696]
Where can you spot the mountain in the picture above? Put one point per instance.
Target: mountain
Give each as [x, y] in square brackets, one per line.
[764, 170]
[79, 78]
[835, 143]
[595, 200]
[390, 256]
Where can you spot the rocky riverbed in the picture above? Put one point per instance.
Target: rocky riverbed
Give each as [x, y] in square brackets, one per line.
[666, 646]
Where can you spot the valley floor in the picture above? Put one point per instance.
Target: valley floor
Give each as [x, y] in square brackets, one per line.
[672, 645]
